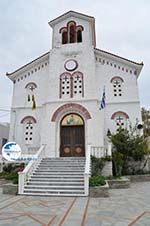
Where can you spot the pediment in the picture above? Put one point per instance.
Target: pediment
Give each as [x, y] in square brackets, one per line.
[70, 14]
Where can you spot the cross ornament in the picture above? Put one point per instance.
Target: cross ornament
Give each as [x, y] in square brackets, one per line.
[119, 119]
[116, 82]
[29, 123]
[32, 88]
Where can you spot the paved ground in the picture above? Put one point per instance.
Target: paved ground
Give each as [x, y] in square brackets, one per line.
[124, 207]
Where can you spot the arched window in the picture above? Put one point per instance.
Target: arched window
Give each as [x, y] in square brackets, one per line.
[78, 89]
[65, 85]
[64, 37]
[120, 119]
[79, 36]
[30, 88]
[71, 33]
[28, 129]
[117, 86]
[71, 85]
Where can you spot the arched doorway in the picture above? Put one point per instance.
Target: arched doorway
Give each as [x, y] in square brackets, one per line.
[72, 136]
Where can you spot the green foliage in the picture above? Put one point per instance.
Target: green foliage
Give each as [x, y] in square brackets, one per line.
[127, 147]
[97, 181]
[10, 176]
[107, 158]
[97, 165]
[2, 174]
[9, 168]
[13, 167]
[146, 120]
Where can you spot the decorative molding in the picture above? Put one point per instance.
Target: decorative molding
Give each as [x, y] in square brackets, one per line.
[104, 61]
[30, 72]
[116, 56]
[121, 113]
[115, 78]
[73, 61]
[65, 73]
[72, 107]
[31, 83]
[29, 117]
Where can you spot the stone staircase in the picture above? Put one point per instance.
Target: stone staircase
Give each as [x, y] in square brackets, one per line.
[58, 177]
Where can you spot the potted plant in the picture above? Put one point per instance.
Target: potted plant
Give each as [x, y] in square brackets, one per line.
[98, 186]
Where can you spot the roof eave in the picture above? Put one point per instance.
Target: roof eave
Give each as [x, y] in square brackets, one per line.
[13, 74]
[137, 66]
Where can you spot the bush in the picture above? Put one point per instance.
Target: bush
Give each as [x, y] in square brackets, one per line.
[10, 171]
[127, 148]
[10, 176]
[97, 181]
[97, 165]
[8, 168]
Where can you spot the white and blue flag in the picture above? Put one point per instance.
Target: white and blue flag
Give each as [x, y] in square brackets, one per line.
[103, 103]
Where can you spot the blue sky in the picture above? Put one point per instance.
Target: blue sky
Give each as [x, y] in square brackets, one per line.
[122, 27]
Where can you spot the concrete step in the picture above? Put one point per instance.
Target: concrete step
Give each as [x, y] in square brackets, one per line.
[54, 187]
[59, 170]
[52, 179]
[60, 183]
[54, 192]
[63, 161]
[61, 167]
[57, 177]
[65, 158]
[58, 173]
[43, 165]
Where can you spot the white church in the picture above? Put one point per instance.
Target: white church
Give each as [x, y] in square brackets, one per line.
[56, 97]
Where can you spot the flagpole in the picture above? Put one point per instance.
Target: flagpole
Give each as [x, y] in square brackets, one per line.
[102, 107]
[105, 124]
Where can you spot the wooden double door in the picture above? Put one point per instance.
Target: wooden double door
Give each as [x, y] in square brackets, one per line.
[72, 141]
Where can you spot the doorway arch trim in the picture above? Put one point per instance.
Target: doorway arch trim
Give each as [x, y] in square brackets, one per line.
[71, 107]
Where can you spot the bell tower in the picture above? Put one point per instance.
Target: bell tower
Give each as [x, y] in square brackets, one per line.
[71, 28]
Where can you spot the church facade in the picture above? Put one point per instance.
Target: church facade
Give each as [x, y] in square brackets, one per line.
[56, 97]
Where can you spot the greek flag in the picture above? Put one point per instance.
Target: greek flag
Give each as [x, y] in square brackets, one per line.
[102, 103]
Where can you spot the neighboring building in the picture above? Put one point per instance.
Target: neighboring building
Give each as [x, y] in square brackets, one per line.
[4, 134]
[56, 97]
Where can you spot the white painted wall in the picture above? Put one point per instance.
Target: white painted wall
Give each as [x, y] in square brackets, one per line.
[96, 75]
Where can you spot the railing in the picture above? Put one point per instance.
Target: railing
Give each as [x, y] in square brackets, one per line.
[87, 170]
[98, 151]
[26, 174]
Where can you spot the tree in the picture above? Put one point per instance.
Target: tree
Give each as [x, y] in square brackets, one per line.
[126, 148]
[146, 121]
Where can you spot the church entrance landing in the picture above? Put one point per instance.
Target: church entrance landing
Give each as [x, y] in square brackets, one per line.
[72, 138]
